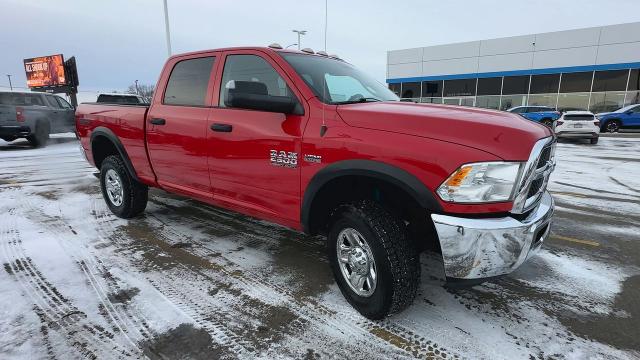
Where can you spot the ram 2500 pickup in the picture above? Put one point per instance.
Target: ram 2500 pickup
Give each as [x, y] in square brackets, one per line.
[310, 142]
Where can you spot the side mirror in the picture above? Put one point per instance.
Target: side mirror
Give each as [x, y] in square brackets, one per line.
[253, 95]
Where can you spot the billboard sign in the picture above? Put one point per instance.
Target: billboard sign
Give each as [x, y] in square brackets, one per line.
[45, 71]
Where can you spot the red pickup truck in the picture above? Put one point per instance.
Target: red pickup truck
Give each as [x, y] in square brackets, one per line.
[310, 142]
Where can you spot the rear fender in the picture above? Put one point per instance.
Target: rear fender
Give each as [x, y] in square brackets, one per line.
[107, 133]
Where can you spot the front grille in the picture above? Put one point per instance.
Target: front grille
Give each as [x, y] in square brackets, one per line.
[535, 186]
[578, 117]
[544, 157]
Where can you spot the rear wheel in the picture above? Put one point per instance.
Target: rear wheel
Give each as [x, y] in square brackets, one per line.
[594, 141]
[612, 126]
[125, 196]
[40, 136]
[373, 262]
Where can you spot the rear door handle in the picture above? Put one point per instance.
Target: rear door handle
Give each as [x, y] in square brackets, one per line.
[157, 121]
[221, 127]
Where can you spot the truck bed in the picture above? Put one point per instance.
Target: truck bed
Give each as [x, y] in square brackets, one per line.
[126, 122]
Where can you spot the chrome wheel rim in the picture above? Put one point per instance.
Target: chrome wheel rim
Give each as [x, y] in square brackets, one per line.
[356, 262]
[113, 186]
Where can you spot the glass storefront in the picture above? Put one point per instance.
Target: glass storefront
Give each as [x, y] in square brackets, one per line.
[598, 91]
[606, 101]
[488, 101]
[509, 101]
[543, 100]
[633, 97]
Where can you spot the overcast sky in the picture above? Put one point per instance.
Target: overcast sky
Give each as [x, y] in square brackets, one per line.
[118, 41]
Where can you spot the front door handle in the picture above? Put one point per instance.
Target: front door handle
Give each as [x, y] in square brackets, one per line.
[221, 127]
[157, 121]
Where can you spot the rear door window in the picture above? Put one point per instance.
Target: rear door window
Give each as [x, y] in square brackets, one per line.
[63, 103]
[188, 82]
[52, 102]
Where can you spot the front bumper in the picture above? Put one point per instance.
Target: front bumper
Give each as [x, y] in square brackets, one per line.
[483, 248]
[14, 131]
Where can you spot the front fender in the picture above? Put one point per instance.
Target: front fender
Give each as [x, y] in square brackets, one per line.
[374, 169]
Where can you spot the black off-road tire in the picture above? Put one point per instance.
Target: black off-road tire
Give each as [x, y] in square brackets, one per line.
[135, 194]
[594, 141]
[396, 258]
[40, 136]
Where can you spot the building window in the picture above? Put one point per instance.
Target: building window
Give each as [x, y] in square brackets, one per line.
[545, 84]
[573, 101]
[515, 85]
[395, 88]
[576, 82]
[410, 90]
[606, 101]
[634, 80]
[614, 80]
[488, 101]
[489, 86]
[509, 101]
[432, 88]
[462, 87]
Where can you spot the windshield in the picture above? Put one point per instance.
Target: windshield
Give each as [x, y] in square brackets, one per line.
[344, 83]
[628, 107]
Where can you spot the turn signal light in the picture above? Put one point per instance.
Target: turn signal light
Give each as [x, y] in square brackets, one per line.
[459, 176]
[596, 123]
[19, 114]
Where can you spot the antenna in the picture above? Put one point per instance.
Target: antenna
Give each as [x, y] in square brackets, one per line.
[323, 128]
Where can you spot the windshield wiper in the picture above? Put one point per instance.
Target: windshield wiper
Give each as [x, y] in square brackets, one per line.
[360, 100]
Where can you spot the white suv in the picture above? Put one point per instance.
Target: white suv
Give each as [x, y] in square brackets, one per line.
[578, 125]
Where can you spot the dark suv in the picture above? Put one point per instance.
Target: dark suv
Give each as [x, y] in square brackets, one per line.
[34, 116]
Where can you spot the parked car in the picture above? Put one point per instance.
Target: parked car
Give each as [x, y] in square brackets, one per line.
[578, 125]
[312, 143]
[626, 117]
[132, 99]
[542, 114]
[34, 116]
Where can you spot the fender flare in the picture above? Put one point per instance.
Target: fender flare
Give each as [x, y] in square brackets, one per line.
[111, 136]
[374, 169]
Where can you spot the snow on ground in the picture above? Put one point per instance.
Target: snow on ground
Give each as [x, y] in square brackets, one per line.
[189, 280]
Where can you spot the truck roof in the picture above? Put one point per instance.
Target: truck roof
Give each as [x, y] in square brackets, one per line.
[259, 48]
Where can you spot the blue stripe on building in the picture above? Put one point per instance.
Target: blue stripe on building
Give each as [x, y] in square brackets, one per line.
[556, 70]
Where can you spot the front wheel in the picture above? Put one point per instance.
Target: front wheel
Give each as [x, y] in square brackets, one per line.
[125, 196]
[373, 262]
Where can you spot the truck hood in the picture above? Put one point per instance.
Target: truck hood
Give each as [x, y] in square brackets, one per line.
[505, 135]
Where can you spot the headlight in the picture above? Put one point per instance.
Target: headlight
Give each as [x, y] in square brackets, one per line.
[481, 182]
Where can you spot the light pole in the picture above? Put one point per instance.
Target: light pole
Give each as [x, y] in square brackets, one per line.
[300, 33]
[10, 86]
[166, 25]
[137, 92]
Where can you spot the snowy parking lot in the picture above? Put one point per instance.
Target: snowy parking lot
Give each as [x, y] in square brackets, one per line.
[187, 280]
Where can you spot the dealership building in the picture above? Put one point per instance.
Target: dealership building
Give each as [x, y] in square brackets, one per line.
[594, 68]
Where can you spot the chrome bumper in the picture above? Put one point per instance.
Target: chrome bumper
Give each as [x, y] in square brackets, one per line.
[481, 248]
